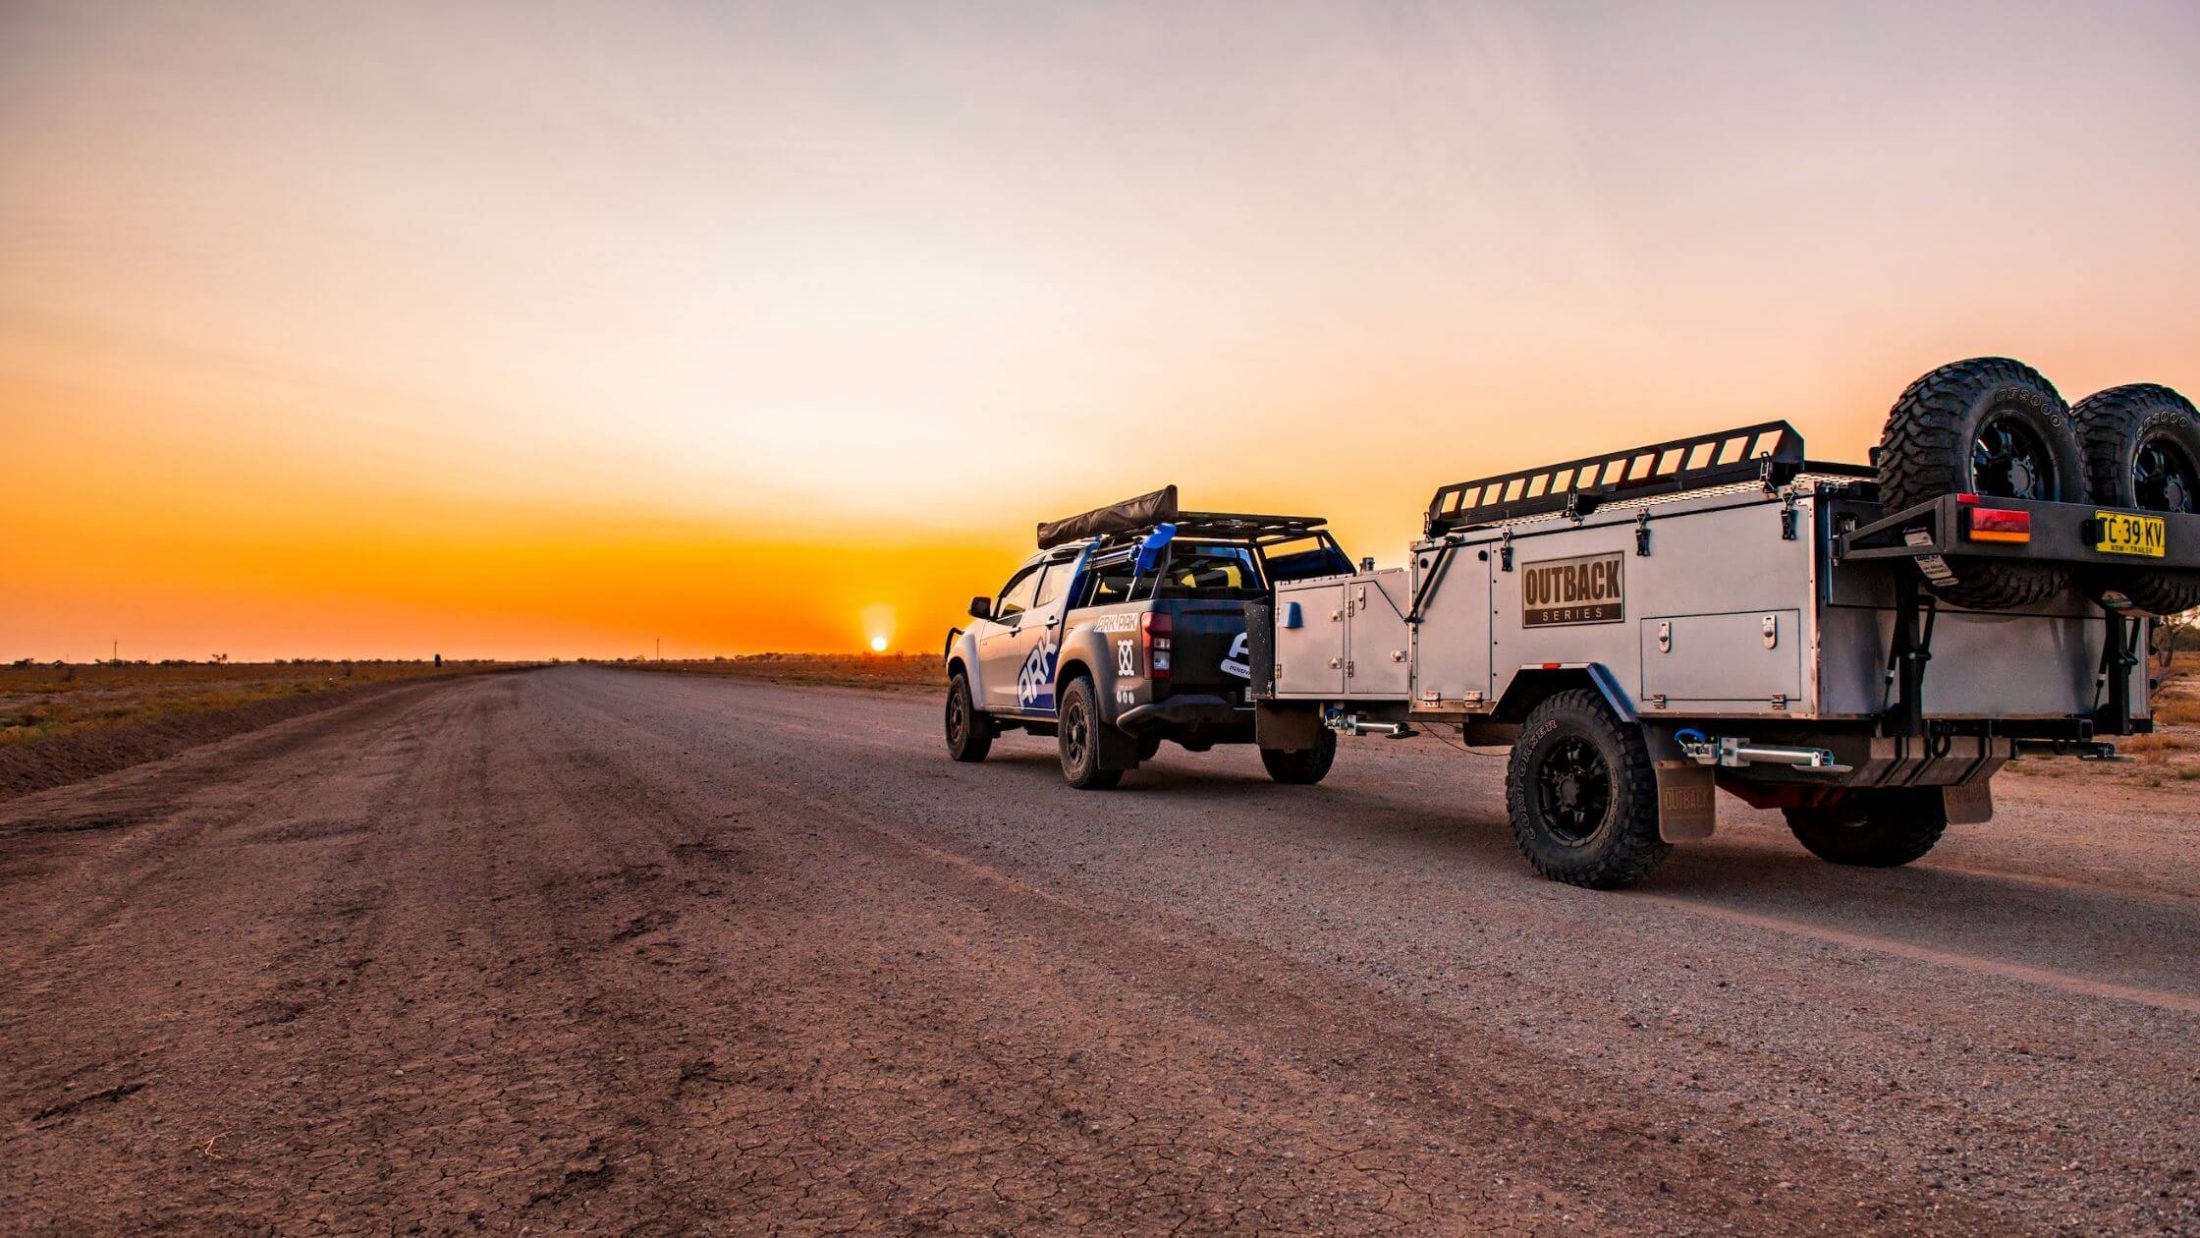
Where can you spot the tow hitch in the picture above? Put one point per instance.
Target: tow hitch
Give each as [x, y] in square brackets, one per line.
[1353, 724]
[1732, 752]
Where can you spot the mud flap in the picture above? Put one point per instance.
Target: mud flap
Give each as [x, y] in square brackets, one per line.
[1688, 801]
[1291, 728]
[1969, 803]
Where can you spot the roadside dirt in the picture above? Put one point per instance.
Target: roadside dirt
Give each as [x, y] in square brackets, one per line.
[583, 949]
[146, 731]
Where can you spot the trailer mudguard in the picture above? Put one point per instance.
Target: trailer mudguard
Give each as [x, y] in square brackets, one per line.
[1531, 683]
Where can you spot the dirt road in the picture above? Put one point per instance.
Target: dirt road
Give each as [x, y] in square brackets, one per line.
[583, 949]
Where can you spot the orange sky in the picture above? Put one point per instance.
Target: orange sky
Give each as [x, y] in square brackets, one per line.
[539, 331]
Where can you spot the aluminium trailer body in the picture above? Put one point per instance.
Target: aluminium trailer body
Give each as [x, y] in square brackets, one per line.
[1757, 623]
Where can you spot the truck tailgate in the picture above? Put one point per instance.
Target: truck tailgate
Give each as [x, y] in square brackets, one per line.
[1209, 645]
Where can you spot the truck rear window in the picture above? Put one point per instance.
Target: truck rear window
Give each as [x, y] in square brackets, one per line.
[1210, 570]
[1189, 570]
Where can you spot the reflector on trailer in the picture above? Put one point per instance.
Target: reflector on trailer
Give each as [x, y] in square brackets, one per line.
[1994, 524]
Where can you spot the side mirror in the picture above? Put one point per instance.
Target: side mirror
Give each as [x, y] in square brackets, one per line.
[981, 608]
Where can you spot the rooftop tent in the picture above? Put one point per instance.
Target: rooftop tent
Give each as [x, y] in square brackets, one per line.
[1129, 516]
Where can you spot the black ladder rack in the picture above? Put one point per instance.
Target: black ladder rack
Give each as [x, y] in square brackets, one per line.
[1770, 452]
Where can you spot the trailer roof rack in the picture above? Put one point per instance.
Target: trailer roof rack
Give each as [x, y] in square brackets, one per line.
[1771, 452]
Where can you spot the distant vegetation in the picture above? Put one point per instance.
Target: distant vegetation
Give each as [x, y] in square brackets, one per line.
[39, 700]
[894, 672]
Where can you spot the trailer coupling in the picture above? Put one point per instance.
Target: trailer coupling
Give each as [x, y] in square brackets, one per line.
[1353, 724]
[1733, 752]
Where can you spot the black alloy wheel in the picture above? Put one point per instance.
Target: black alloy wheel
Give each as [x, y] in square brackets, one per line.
[1581, 793]
[2163, 476]
[1573, 790]
[2009, 460]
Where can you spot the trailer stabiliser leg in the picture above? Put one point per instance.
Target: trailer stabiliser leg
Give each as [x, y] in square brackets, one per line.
[1911, 649]
[2119, 654]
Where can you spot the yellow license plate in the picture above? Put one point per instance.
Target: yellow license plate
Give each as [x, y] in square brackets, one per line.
[2121, 533]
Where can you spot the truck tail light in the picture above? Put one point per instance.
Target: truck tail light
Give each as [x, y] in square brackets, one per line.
[1994, 524]
[1154, 632]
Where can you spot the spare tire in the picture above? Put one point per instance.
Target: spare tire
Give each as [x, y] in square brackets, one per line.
[2142, 451]
[1988, 426]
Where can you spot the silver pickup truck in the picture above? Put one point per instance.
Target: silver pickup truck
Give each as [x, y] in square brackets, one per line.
[1126, 630]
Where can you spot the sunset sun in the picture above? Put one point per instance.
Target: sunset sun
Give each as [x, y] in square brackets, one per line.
[878, 644]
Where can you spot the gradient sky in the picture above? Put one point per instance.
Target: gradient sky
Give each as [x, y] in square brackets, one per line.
[547, 329]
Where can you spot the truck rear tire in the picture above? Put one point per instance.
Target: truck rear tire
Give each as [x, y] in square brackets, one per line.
[2142, 451]
[1090, 760]
[1582, 794]
[1302, 767]
[1879, 828]
[1988, 426]
[969, 733]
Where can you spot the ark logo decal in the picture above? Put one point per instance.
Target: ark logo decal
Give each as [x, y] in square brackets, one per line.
[1035, 682]
[1239, 661]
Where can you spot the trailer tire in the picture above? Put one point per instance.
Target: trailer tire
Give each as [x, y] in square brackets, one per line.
[1582, 794]
[1090, 761]
[1988, 426]
[969, 733]
[2142, 451]
[1880, 828]
[1302, 767]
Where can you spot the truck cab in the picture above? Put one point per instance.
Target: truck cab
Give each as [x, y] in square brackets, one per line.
[1128, 629]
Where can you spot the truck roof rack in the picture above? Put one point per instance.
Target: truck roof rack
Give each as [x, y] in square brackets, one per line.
[1139, 516]
[1246, 527]
[1770, 451]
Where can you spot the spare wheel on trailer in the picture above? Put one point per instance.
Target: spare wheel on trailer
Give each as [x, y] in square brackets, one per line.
[2142, 450]
[1988, 426]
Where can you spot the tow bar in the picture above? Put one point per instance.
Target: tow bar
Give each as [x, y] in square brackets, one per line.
[1351, 724]
[1733, 752]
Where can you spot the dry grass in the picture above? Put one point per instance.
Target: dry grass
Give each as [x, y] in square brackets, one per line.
[42, 701]
[2178, 708]
[884, 672]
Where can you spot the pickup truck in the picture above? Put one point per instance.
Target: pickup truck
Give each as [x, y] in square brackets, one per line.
[1128, 629]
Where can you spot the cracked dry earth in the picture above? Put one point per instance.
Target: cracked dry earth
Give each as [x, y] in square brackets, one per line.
[587, 950]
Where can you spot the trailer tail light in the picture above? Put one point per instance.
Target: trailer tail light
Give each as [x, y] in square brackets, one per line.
[1994, 524]
[1154, 632]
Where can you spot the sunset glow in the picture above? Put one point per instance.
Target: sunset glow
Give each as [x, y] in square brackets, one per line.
[387, 331]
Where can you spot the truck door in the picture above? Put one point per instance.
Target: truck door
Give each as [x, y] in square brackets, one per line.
[1019, 650]
[1039, 640]
[1000, 654]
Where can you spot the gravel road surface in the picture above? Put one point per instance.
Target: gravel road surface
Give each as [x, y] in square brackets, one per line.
[583, 949]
